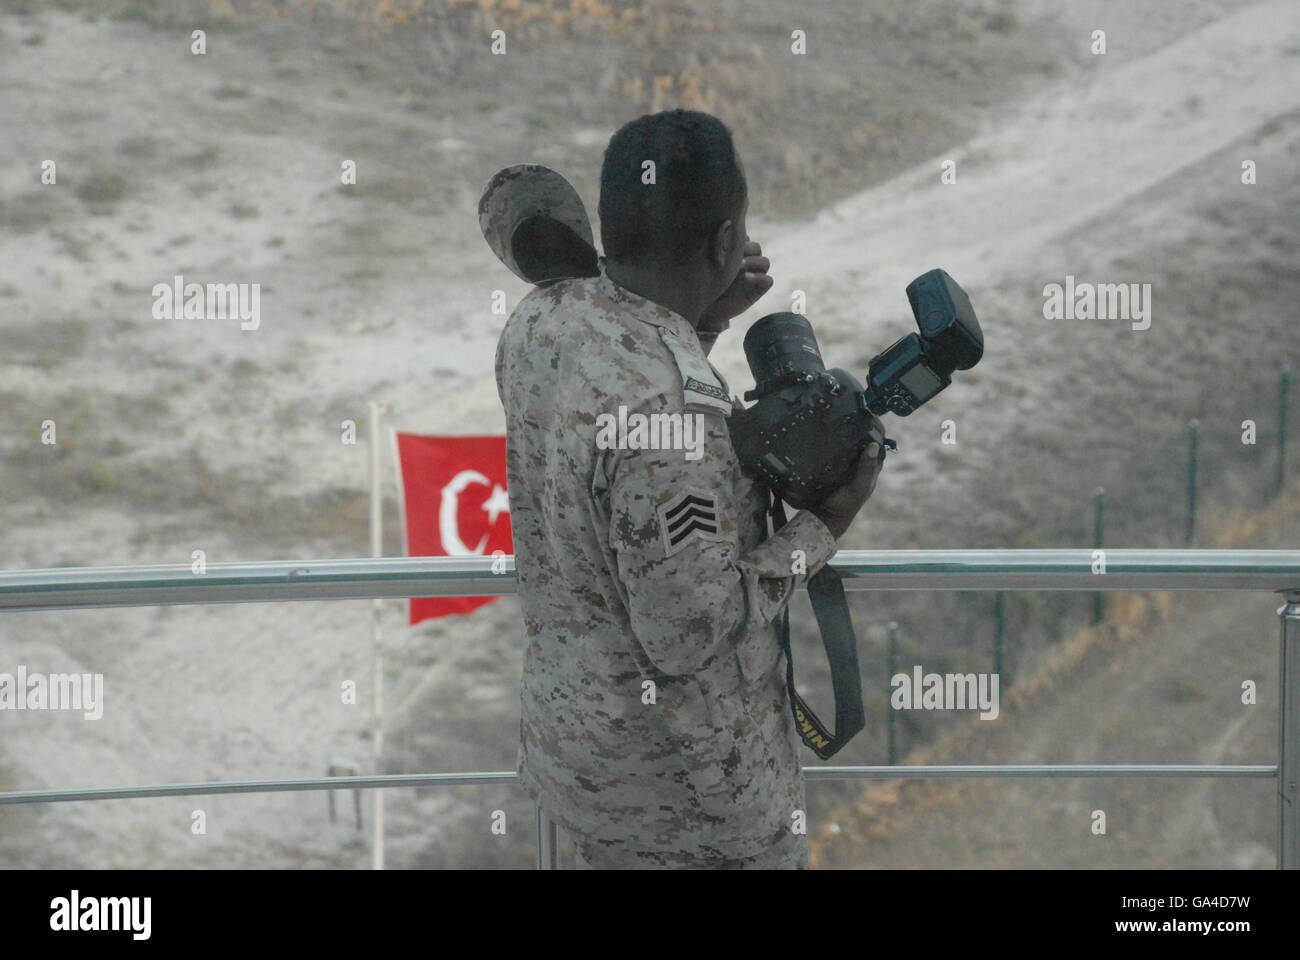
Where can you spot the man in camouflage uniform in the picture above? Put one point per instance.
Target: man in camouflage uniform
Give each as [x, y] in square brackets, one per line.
[655, 723]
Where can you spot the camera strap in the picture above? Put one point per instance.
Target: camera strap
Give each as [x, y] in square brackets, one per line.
[831, 608]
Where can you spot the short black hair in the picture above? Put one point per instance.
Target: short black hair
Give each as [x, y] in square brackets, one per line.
[698, 184]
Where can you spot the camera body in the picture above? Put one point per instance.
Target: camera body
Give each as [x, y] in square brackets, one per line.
[804, 435]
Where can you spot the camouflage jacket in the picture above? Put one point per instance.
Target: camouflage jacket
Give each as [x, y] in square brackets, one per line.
[654, 714]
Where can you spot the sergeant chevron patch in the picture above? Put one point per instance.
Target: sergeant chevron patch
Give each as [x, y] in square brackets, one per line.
[691, 514]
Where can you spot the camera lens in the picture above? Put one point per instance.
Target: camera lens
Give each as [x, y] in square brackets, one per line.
[780, 344]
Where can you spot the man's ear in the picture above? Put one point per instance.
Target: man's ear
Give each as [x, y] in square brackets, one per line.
[721, 244]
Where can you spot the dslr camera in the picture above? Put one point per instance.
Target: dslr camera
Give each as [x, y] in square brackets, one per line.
[804, 435]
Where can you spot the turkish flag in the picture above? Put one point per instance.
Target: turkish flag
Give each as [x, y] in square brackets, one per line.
[454, 491]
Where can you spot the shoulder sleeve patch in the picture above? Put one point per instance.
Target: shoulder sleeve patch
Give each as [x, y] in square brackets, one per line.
[700, 385]
[691, 514]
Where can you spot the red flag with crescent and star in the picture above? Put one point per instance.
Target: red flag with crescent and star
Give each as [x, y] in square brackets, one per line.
[454, 492]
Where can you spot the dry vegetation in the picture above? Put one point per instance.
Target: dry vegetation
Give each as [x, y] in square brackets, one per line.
[730, 59]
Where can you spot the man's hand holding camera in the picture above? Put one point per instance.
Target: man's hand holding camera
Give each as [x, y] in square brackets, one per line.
[840, 507]
[838, 510]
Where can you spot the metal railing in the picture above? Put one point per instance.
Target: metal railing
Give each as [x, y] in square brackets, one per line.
[1142, 570]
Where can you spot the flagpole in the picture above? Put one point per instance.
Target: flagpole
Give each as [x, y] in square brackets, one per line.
[377, 647]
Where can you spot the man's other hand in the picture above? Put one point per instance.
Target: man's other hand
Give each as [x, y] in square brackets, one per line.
[750, 284]
[838, 510]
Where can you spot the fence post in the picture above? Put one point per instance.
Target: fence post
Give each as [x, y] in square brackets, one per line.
[343, 769]
[1284, 397]
[999, 634]
[1193, 444]
[1288, 722]
[892, 717]
[377, 411]
[1098, 540]
[547, 858]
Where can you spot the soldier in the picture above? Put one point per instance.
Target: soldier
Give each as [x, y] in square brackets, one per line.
[655, 724]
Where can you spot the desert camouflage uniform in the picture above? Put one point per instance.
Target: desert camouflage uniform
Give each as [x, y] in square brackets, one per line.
[643, 565]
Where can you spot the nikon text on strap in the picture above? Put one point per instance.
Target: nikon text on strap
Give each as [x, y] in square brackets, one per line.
[826, 591]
